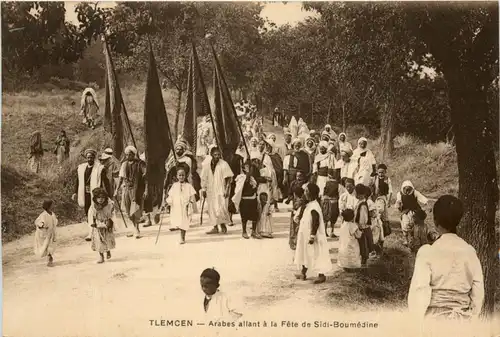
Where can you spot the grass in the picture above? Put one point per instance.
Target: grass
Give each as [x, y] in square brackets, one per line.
[50, 111]
[384, 284]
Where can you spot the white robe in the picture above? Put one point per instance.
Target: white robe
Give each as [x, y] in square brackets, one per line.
[181, 198]
[324, 160]
[45, 234]
[220, 308]
[365, 166]
[214, 184]
[95, 180]
[315, 257]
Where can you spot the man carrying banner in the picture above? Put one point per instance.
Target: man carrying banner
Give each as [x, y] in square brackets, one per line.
[216, 178]
[135, 188]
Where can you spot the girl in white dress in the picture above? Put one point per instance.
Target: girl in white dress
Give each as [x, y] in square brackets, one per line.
[312, 252]
[349, 254]
[181, 198]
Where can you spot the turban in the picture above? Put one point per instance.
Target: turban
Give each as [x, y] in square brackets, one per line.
[312, 132]
[328, 126]
[108, 153]
[129, 149]
[90, 151]
[323, 144]
[181, 143]
[349, 152]
[362, 139]
[270, 135]
[297, 141]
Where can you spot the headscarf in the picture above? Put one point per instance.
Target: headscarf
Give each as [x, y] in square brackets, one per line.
[323, 144]
[130, 148]
[328, 126]
[297, 140]
[99, 192]
[343, 134]
[84, 94]
[254, 139]
[90, 151]
[310, 139]
[36, 142]
[325, 133]
[407, 183]
[271, 135]
[181, 143]
[362, 139]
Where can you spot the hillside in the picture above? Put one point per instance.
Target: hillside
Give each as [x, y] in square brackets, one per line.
[50, 111]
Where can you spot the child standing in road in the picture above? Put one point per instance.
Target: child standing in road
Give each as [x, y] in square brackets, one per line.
[100, 218]
[264, 225]
[181, 198]
[349, 253]
[45, 235]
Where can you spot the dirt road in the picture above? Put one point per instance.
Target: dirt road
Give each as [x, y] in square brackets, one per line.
[143, 284]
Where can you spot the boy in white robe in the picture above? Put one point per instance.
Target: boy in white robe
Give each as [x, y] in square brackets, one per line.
[181, 197]
[448, 280]
[45, 235]
[216, 303]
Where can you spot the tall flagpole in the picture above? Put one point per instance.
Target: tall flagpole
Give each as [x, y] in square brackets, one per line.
[230, 99]
[118, 87]
[205, 97]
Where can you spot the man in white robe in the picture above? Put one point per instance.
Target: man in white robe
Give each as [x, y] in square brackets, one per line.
[90, 175]
[216, 178]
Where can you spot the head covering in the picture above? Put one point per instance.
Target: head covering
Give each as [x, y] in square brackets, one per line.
[254, 139]
[312, 132]
[323, 144]
[297, 140]
[348, 152]
[362, 139]
[181, 143]
[328, 126]
[108, 153]
[90, 151]
[342, 133]
[310, 139]
[407, 183]
[130, 148]
[88, 91]
[99, 193]
[271, 135]
[325, 133]
[143, 156]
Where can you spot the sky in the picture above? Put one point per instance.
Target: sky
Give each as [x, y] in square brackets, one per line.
[278, 12]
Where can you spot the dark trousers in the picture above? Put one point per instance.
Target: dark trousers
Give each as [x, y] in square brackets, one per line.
[365, 244]
[88, 201]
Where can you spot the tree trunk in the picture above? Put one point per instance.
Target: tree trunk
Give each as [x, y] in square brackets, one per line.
[328, 114]
[477, 175]
[177, 113]
[344, 118]
[386, 132]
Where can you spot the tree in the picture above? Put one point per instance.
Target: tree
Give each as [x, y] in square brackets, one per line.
[172, 26]
[463, 41]
[35, 34]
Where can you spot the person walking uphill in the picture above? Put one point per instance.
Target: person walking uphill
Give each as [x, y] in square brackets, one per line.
[312, 251]
[36, 152]
[89, 176]
[135, 188]
[61, 149]
[215, 187]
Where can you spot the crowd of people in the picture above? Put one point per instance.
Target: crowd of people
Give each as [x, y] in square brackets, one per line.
[334, 189]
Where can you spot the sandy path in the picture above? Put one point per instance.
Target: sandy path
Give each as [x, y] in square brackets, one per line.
[144, 282]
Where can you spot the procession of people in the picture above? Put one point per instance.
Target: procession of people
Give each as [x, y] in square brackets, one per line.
[336, 191]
